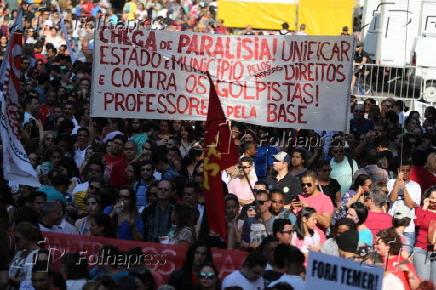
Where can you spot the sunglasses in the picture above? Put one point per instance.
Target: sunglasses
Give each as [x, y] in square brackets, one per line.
[278, 201]
[49, 139]
[262, 202]
[206, 275]
[243, 167]
[306, 184]
[338, 151]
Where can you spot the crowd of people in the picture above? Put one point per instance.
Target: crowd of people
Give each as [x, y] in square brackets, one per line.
[368, 195]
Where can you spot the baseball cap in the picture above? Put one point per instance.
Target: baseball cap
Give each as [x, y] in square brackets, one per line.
[283, 157]
[403, 211]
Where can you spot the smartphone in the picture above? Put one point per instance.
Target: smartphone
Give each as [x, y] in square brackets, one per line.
[296, 198]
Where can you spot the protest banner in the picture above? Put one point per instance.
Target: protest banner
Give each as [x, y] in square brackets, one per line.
[161, 259]
[16, 165]
[300, 81]
[330, 272]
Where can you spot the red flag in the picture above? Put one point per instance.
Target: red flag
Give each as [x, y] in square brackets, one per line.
[220, 153]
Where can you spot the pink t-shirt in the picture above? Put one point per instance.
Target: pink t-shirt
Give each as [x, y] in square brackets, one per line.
[241, 190]
[377, 221]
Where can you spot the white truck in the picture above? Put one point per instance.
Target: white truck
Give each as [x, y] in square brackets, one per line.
[400, 34]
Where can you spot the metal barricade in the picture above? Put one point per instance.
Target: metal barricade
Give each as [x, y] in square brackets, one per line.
[406, 83]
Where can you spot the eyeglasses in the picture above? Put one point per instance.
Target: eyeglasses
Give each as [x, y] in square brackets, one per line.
[49, 139]
[338, 151]
[206, 276]
[287, 232]
[358, 111]
[277, 201]
[262, 202]
[306, 184]
[124, 197]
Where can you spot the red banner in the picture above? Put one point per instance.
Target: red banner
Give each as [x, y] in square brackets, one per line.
[161, 259]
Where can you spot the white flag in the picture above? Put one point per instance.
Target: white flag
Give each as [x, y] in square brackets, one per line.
[16, 164]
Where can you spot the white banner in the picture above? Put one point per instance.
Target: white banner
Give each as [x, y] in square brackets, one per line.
[16, 166]
[279, 81]
[330, 272]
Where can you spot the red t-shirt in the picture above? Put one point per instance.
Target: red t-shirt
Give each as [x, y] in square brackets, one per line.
[392, 267]
[110, 162]
[377, 221]
[118, 176]
[423, 177]
[422, 221]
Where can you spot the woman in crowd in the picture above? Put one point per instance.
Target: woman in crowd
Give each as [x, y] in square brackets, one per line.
[68, 167]
[327, 185]
[186, 139]
[53, 154]
[208, 277]
[187, 277]
[358, 212]
[100, 225]
[426, 240]
[388, 245]
[189, 163]
[306, 238]
[358, 191]
[164, 130]
[183, 233]
[93, 207]
[27, 238]
[126, 216]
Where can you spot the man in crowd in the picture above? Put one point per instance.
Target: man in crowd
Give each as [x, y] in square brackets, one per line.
[141, 186]
[359, 124]
[278, 209]
[283, 230]
[118, 173]
[405, 192]
[116, 154]
[314, 198]
[284, 181]
[377, 219]
[190, 196]
[343, 167]
[53, 219]
[157, 216]
[250, 275]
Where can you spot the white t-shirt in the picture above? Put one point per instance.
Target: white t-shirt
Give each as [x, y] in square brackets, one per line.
[343, 174]
[295, 281]
[236, 279]
[414, 190]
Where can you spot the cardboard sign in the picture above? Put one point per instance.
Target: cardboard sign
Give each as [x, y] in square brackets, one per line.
[299, 81]
[330, 272]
